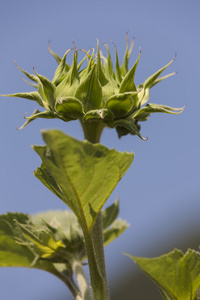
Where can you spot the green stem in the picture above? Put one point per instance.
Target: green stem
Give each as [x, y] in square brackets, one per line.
[81, 279]
[98, 283]
[97, 238]
[68, 280]
[92, 131]
[94, 241]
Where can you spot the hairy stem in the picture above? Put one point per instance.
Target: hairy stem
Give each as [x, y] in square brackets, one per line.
[81, 279]
[94, 242]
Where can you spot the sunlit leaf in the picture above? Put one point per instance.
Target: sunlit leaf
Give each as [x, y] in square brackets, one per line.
[115, 230]
[176, 274]
[85, 174]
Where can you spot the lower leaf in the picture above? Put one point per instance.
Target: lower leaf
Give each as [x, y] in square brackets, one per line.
[176, 274]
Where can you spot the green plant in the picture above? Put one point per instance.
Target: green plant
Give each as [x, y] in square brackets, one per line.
[83, 174]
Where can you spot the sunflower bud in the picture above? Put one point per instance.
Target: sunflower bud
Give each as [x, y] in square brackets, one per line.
[96, 93]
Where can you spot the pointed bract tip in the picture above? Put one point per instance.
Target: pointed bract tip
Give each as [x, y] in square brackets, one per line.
[113, 43]
[73, 41]
[175, 55]
[182, 109]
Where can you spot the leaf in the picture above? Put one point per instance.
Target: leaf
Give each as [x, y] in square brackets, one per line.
[121, 104]
[99, 114]
[42, 241]
[90, 64]
[100, 74]
[11, 253]
[35, 96]
[39, 114]
[176, 274]
[46, 90]
[62, 69]
[64, 225]
[110, 214]
[69, 107]
[192, 258]
[142, 97]
[89, 92]
[124, 66]
[108, 64]
[17, 251]
[153, 78]
[30, 76]
[127, 84]
[163, 78]
[56, 56]
[145, 111]
[125, 126]
[85, 173]
[118, 74]
[115, 230]
[68, 85]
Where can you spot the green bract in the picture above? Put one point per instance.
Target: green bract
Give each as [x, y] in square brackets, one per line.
[96, 93]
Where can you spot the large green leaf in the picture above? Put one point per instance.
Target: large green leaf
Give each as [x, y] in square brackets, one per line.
[82, 174]
[176, 274]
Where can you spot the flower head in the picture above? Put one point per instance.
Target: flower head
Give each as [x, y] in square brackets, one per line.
[97, 92]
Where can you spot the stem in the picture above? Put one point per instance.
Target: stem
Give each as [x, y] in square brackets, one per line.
[97, 238]
[68, 280]
[94, 240]
[82, 282]
[98, 283]
[92, 131]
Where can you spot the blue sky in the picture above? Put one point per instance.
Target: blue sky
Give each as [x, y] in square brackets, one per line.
[160, 194]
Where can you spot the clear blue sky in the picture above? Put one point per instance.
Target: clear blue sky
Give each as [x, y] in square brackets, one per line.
[160, 194]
